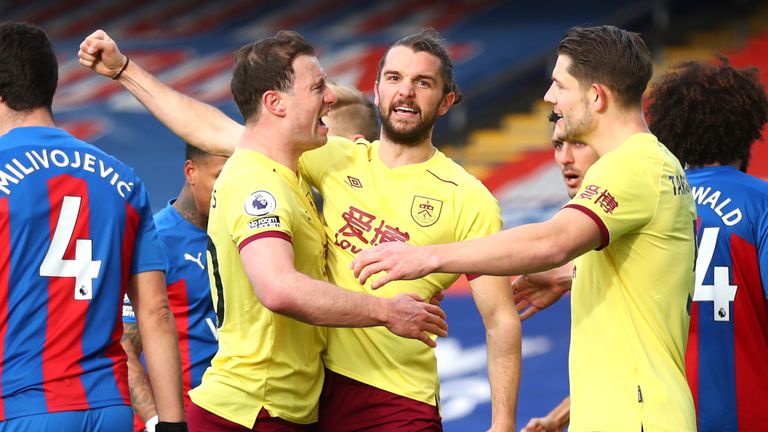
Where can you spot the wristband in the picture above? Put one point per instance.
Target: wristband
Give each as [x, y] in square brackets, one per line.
[150, 424]
[117, 75]
[171, 427]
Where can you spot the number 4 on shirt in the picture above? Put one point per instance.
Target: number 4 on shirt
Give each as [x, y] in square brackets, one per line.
[83, 268]
[722, 292]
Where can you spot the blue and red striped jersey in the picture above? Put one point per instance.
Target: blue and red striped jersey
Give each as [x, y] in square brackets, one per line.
[189, 294]
[75, 224]
[727, 354]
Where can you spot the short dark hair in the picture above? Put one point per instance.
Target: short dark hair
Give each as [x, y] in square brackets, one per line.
[264, 65]
[29, 71]
[194, 153]
[708, 113]
[429, 41]
[610, 56]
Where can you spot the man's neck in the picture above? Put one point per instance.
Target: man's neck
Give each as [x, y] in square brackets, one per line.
[614, 129]
[394, 155]
[185, 205]
[272, 143]
[11, 119]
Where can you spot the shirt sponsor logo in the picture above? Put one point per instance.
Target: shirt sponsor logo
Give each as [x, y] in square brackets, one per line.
[601, 197]
[360, 227]
[265, 222]
[426, 211]
[260, 203]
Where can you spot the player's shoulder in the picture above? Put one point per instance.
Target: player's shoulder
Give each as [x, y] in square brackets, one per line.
[339, 147]
[168, 218]
[447, 171]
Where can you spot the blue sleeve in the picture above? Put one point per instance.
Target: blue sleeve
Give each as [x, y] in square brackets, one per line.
[762, 249]
[147, 252]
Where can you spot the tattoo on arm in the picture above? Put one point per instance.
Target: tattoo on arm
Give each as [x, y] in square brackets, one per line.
[141, 392]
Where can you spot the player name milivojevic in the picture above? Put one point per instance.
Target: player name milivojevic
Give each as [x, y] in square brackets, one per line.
[15, 170]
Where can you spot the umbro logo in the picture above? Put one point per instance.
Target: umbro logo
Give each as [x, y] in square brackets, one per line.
[198, 260]
[354, 182]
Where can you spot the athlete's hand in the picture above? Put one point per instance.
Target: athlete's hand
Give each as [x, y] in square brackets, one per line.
[409, 316]
[542, 424]
[398, 260]
[100, 53]
[537, 291]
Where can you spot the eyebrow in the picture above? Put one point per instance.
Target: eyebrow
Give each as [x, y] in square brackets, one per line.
[415, 78]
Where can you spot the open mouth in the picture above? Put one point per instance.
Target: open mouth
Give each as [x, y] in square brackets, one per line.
[406, 111]
[571, 179]
[554, 117]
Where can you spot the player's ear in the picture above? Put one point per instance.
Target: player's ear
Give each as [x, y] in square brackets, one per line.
[598, 97]
[190, 172]
[446, 103]
[273, 102]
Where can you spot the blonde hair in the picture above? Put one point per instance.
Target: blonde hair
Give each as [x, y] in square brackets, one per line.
[352, 115]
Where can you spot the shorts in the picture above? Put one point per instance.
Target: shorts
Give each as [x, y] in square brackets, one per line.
[202, 420]
[348, 405]
[115, 418]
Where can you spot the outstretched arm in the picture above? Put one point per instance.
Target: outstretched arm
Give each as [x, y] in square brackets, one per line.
[503, 338]
[268, 262]
[520, 250]
[197, 123]
[157, 331]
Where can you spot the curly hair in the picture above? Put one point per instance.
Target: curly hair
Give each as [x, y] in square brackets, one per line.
[708, 113]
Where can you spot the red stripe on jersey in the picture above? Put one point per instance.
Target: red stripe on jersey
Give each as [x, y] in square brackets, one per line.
[750, 330]
[692, 355]
[605, 235]
[116, 353]
[265, 234]
[178, 300]
[5, 264]
[65, 328]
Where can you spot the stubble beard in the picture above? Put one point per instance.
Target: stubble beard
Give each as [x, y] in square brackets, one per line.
[575, 128]
[410, 136]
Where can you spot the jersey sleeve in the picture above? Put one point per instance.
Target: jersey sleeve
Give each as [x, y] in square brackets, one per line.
[147, 255]
[619, 197]
[263, 211]
[762, 250]
[314, 164]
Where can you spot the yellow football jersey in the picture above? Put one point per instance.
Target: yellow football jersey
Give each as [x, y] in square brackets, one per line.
[630, 299]
[264, 359]
[367, 203]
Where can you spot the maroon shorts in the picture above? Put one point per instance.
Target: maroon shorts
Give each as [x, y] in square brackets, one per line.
[202, 420]
[347, 405]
